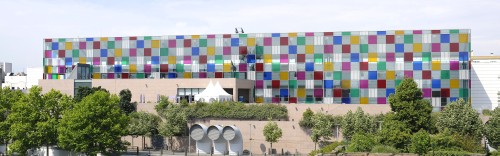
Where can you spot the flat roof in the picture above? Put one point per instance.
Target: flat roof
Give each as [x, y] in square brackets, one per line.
[485, 57]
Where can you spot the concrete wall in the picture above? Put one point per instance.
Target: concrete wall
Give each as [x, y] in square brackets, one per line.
[485, 79]
[65, 86]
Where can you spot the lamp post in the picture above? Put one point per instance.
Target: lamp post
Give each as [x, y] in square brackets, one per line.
[250, 139]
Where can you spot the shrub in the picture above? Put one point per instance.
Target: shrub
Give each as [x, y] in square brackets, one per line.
[459, 117]
[492, 128]
[486, 112]
[420, 142]
[384, 149]
[449, 153]
[394, 133]
[326, 149]
[496, 153]
[306, 120]
[357, 122]
[361, 143]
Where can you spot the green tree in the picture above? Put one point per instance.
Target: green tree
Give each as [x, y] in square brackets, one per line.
[459, 117]
[394, 133]
[306, 120]
[125, 101]
[174, 119]
[361, 142]
[143, 124]
[82, 92]
[357, 122]
[420, 142]
[272, 133]
[410, 107]
[94, 125]
[492, 128]
[7, 99]
[322, 128]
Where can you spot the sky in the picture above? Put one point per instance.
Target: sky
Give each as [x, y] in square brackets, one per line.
[25, 23]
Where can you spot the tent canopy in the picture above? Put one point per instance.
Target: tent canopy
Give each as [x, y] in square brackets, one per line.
[213, 93]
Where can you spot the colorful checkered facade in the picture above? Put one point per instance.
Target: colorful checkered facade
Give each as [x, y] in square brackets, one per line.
[312, 67]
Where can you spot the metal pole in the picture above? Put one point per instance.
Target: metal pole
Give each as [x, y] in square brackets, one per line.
[189, 137]
[250, 139]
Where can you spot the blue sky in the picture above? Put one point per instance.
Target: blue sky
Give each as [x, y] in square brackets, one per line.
[25, 23]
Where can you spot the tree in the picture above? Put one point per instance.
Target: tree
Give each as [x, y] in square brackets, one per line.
[410, 107]
[361, 142]
[174, 119]
[125, 102]
[357, 122]
[322, 128]
[420, 142]
[459, 117]
[82, 92]
[142, 123]
[7, 99]
[94, 125]
[306, 120]
[492, 129]
[394, 133]
[272, 133]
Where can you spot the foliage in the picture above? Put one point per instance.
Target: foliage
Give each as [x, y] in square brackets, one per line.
[82, 92]
[361, 142]
[322, 127]
[433, 121]
[394, 133]
[306, 120]
[94, 125]
[492, 128]
[420, 142]
[143, 123]
[125, 102]
[272, 132]
[7, 99]
[449, 153]
[410, 107]
[326, 149]
[357, 122]
[459, 117]
[449, 141]
[496, 153]
[175, 120]
[384, 149]
[487, 112]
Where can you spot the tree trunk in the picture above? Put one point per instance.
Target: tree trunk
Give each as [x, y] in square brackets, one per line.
[47, 149]
[271, 149]
[315, 145]
[143, 142]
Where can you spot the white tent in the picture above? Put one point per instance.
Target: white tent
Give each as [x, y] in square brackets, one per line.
[213, 93]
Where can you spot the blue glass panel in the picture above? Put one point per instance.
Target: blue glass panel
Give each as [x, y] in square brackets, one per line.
[309, 66]
[172, 75]
[417, 65]
[118, 68]
[179, 37]
[268, 75]
[250, 58]
[337, 39]
[195, 51]
[284, 92]
[453, 99]
[210, 67]
[276, 35]
[346, 100]
[292, 49]
[372, 75]
[104, 52]
[389, 91]
[89, 39]
[235, 42]
[140, 44]
[328, 84]
[68, 61]
[445, 38]
[155, 59]
[436, 83]
[55, 46]
[380, 32]
[354, 57]
[464, 56]
[400, 47]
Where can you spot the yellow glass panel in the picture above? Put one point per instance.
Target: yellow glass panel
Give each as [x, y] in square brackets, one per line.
[463, 38]
[187, 75]
[417, 47]
[372, 57]
[227, 67]
[171, 60]
[68, 46]
[96, 76]
[259, 99]
[454, 83]
[82, 60]
[250, 41]
[118, 52]
[309, 49]
[346, 84]
[210, 51]
[133, 68]
[195, 36]
[390, 75]
[292, 34]
[363, 100]
[155, 44]
[436, 65]
[328, 66]
[400, 32]
[49, 69]
[354, 39]
[301, 92]
[268, 58]
[104, 39]
[283, 75]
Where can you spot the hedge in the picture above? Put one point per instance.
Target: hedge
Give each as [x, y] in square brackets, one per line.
[448, 153]
[236, 110]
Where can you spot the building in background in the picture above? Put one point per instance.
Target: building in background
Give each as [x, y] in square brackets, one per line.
[5, 68]
[485, 80]
[33, 76]
[310, 67]
[23, 81]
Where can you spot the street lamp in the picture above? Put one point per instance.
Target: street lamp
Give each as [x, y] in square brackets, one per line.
[250, 139]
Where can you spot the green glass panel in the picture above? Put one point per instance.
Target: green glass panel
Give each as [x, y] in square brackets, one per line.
[260, 50]
[243, 35]
[363, 48]
[276, 67]
[203, 42]
[445, 74]
[426, 56]
[163, 51]
[346, 33]
[141, 75]
[301, 41]
[124, 61]
[408, 38]
[318, 58]
[337, 75]
[354, 92]
[454, 31]
[76, 53]
[147, 37]
[309, 100]
[292, 83]
[397, 82]
[54, 76]
[62, 40]
[179, 68]
[218, 59]
[381, 66]
[464, 92]
[111, 44]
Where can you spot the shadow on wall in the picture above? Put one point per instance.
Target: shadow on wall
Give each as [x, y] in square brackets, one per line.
[484, 99]
[263, 148]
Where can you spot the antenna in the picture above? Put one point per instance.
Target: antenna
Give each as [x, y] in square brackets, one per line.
[242, 31]
[236, 30]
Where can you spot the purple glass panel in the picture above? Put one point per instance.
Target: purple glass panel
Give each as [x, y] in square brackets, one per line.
[389, 57]
[210, 36]
[328, 49]
[243, 67]
[436, 47]
[427, 92]
[147, 68]
[187, 59]
[363, 83]
[301, 75]
[284, 58]
[346, 66]
[372, 39]
[268, 41]
[96, 61]
[318, 92]
[82, 45]
[454, 65]
[417, 31]
[133, 52]
[259, 84]
[408, 73]
[118, 38]
[381, 100]
[171, 43]
[226, 51]
[111, 76]
[203, 75]
[48, 54]
[276, 100]
[309, 34]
